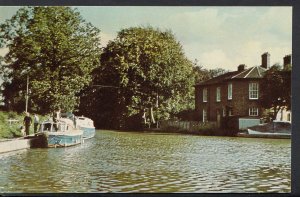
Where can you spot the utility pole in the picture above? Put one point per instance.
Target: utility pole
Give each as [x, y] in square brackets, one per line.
[27, 85]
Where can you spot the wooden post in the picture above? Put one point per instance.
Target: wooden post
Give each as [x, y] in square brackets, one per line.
[27, 88]
[157, 110]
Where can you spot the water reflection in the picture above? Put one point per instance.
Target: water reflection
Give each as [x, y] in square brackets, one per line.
[139, 162]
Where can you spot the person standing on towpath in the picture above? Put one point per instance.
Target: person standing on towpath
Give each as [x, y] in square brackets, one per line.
[35, 122]
[27, 122]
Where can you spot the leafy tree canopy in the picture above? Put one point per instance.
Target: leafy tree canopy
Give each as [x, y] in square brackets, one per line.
[150, 70]
[203, 74]
[56, 48]
[276, 89]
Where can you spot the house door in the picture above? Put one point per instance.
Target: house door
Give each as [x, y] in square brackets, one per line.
[218, 118]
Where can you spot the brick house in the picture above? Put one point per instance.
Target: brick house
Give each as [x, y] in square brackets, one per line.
[233, 94]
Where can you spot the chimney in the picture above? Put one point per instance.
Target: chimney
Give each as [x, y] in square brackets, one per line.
[241, 67]
[265, 60]
[287, 60]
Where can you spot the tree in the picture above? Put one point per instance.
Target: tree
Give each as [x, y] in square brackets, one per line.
[203, 74]
[56, 48]
[216, 72]
[276, 89]
[152, 75]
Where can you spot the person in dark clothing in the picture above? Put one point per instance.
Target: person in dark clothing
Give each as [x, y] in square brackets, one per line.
[27, 122]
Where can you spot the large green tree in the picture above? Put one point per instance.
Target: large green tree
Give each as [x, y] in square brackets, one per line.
[276, 89]
[149, 72]
[56, 48]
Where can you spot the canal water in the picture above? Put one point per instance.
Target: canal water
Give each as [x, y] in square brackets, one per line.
[144, 162]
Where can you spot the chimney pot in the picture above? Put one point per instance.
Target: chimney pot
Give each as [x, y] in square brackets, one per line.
[287, 60]
[241, 67]
[265, 60]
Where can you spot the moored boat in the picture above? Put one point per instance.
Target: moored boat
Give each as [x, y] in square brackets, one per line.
[253, 132]
[60, 134]
[276, 128]
[86, 125]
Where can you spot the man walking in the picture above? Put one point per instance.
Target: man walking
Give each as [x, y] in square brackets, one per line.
[35, 122]
[27, 122]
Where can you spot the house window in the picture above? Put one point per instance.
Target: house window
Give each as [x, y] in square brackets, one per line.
[230, 91]
[288, 117]
[253, 111]
[218, 94]
[204, 115]
[224, 112]
[205, 95]
[230, 112]
[253, 90]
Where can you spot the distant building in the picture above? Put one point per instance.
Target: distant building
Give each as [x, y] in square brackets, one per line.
[233, 94]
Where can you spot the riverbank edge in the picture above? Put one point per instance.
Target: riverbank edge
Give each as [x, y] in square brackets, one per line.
[14, 145]
[242, 134]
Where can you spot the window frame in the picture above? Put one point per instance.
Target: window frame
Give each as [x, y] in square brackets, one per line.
[218, 94]
[253, 92]
[252, 112]
[230, 112]
[229, 91]
[204, 95]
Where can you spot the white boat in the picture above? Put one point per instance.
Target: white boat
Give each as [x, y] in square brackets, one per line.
[253, 132]
[83, 123]
[276, 128]
[87, 125]
[65, 135]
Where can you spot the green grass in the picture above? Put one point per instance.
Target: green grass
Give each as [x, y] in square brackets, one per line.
[13, 130]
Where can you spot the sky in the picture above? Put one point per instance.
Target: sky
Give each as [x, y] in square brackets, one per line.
[218, 37]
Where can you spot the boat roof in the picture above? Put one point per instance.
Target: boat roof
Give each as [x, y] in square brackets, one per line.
[63, 120]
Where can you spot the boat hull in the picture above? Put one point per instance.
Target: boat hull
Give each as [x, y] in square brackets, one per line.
[88, 132]
[61, 139]
[253, 132]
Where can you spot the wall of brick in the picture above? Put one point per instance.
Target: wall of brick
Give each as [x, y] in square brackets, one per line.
[240, 101]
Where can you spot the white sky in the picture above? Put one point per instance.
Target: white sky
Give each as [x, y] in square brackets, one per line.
[216, 36]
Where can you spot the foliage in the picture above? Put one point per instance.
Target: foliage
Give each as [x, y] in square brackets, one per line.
[56, 48]
[216, 72]
[276, 89]
[203, 74]
[150, 70]
[13, 130]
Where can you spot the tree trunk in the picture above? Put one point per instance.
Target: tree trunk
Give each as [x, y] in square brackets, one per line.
[152, 116]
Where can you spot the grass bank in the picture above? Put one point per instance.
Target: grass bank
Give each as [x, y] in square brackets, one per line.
[12, 130]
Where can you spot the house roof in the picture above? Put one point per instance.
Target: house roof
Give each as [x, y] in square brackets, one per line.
[255, 72]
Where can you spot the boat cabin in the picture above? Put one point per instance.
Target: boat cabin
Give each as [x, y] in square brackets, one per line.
[63, 125]
[84, 121]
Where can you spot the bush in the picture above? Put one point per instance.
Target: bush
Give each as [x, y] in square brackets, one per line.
[13, 130]
[7, 130]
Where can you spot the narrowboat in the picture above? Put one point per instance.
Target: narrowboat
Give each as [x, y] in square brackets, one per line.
[60, 134]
